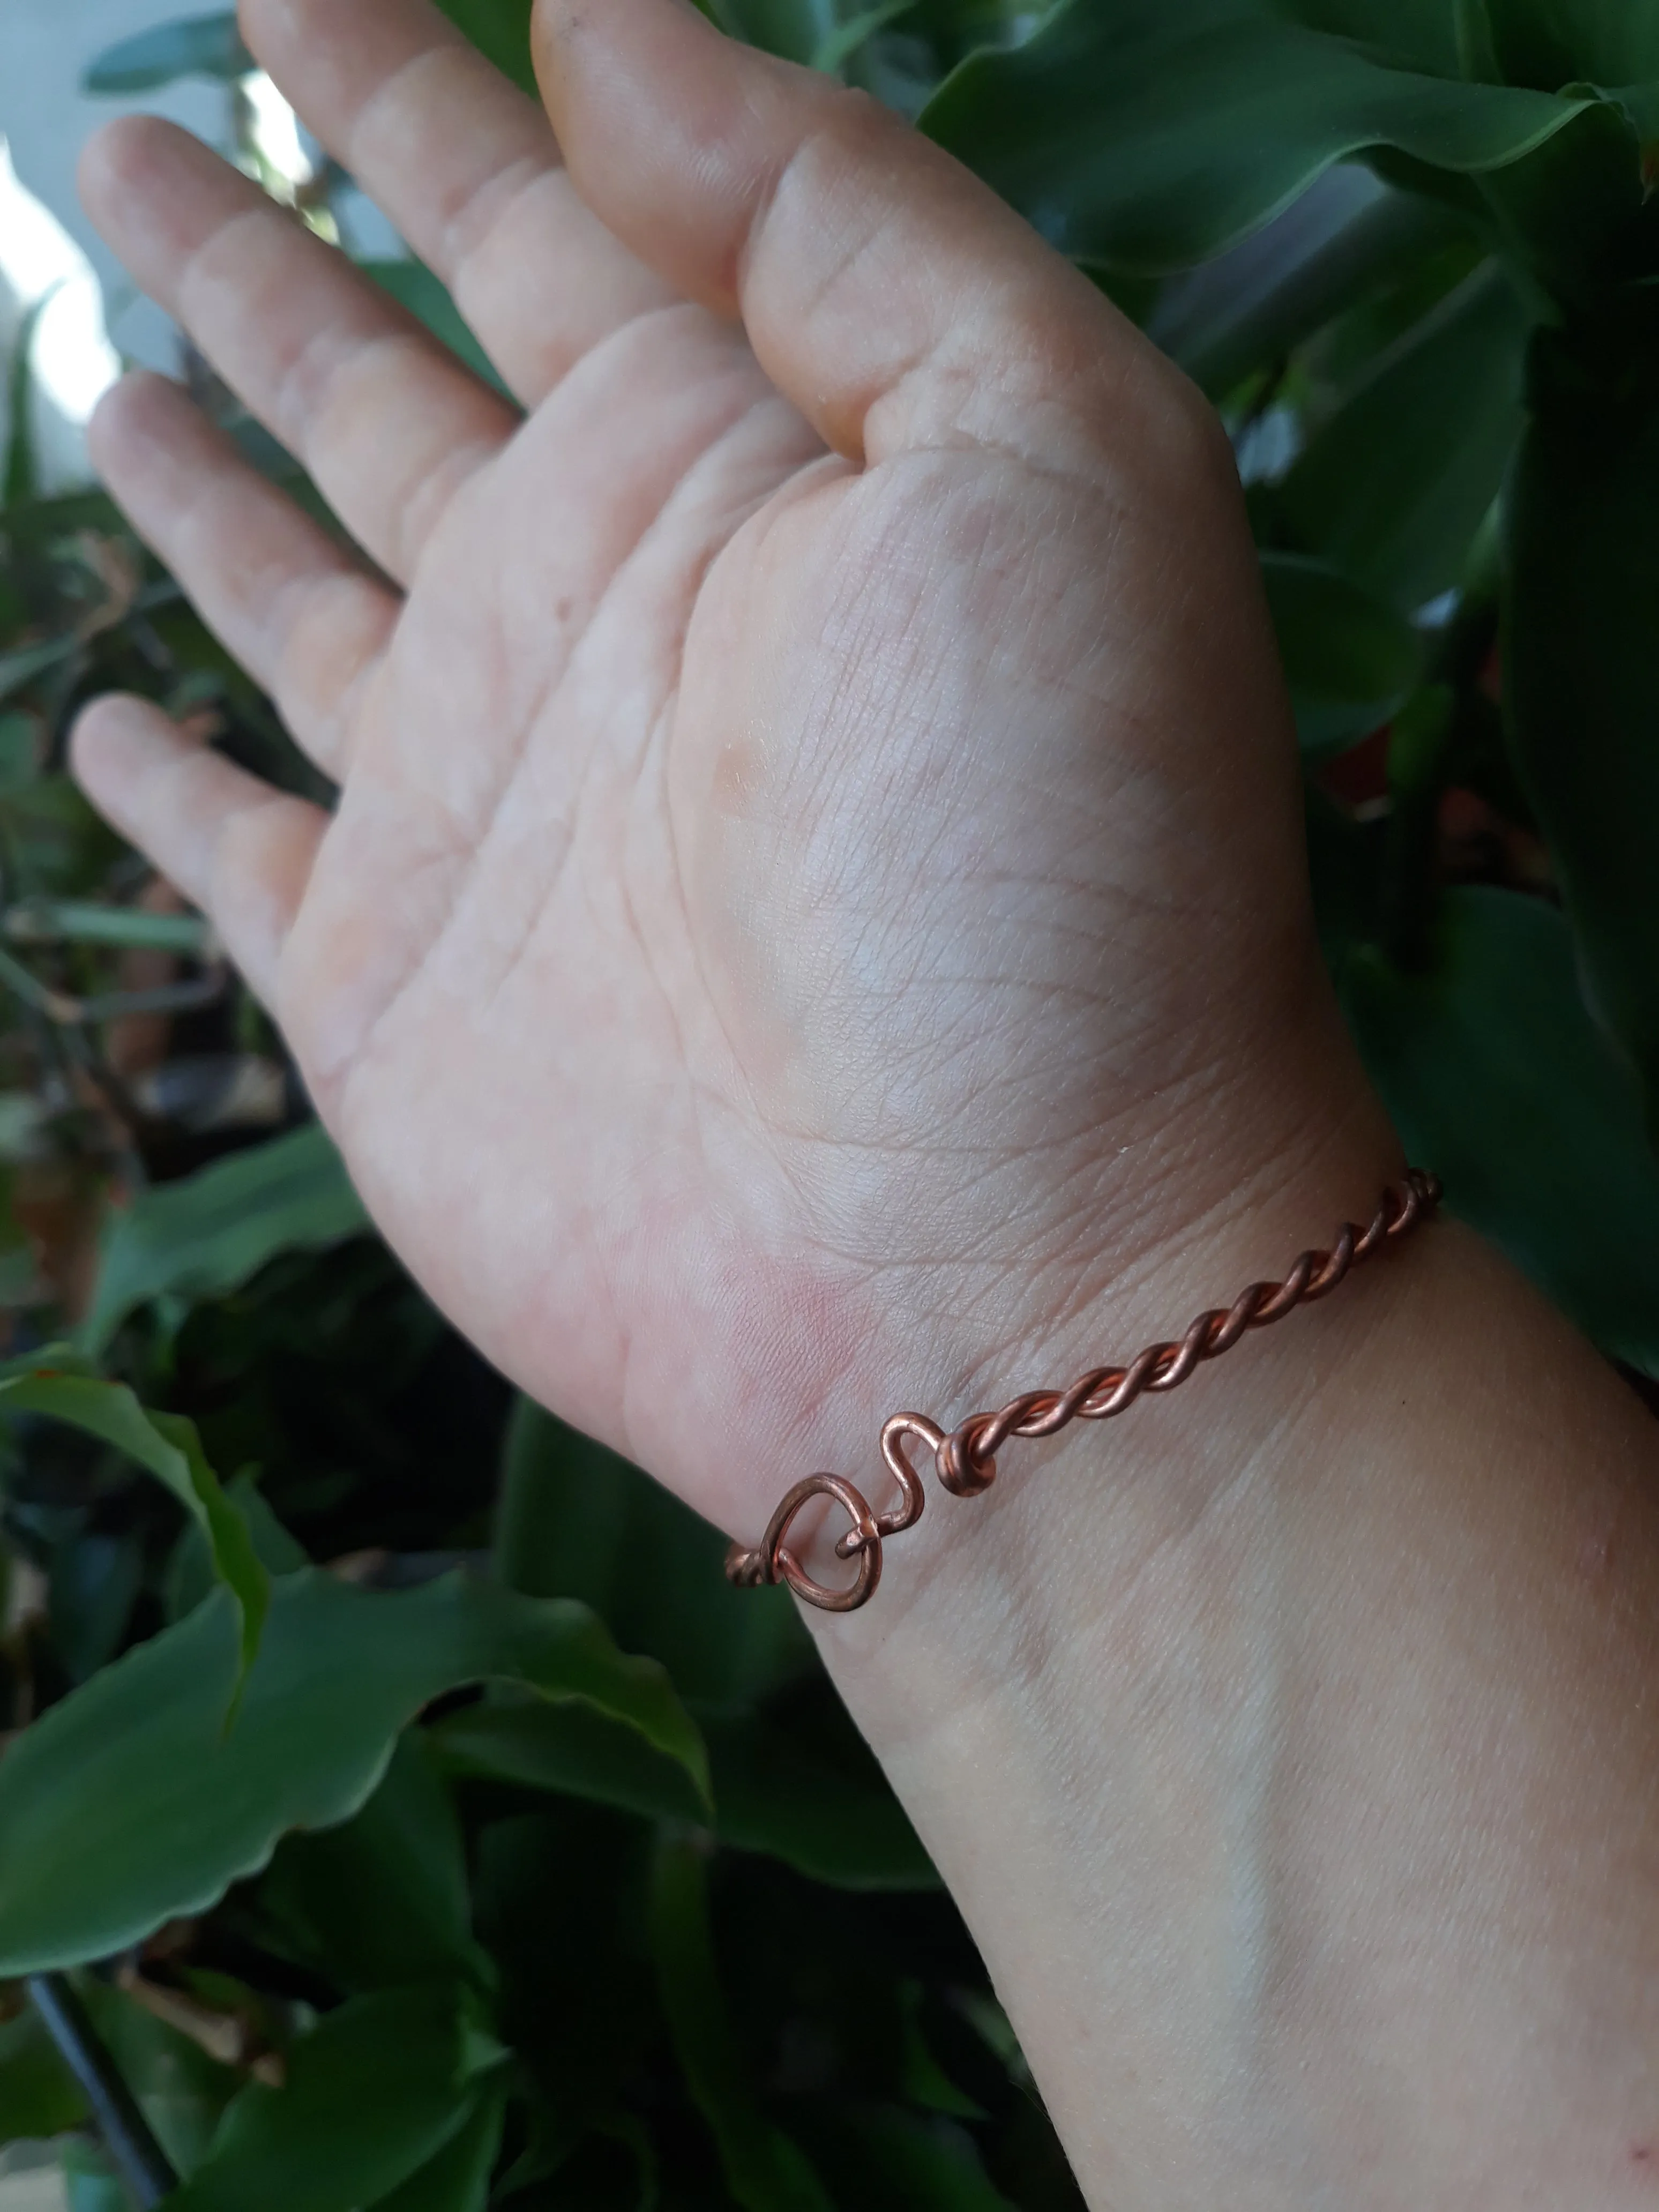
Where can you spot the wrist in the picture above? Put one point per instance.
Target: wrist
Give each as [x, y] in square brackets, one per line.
[1261, 1734]
[1088, 1261]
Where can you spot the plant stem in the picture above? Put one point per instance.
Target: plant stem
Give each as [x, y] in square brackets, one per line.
[137, 2158]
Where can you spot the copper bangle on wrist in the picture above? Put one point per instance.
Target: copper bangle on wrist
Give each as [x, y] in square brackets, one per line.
[965, 1461]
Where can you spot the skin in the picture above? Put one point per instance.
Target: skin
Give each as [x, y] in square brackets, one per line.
[816, 923]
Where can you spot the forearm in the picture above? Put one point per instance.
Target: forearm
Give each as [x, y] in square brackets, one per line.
[1291, 1746]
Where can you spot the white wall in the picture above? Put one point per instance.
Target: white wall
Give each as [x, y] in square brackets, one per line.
[43, 46]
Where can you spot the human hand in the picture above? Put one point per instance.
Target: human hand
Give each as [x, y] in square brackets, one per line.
[817, 889]
[817, 895]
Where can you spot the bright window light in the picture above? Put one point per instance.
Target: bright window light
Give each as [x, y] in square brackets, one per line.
[71, 358]
[273, 133]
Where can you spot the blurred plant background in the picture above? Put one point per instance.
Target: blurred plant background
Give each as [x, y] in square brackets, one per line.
[345, 1859]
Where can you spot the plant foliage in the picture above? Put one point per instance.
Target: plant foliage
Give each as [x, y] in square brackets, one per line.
[412, 1805]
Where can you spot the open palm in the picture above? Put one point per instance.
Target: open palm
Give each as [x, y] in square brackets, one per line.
[816, 841]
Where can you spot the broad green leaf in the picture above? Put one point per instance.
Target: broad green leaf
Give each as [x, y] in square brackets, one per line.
[1581, 668]
[501, 30]
[1346, 242]
[371, 2094]
[206, 1236]
[383, 1898]
[1149, 137]
[1494, 1075]
[1578, 214]
[129, 1805]
[1395, 488]
[1409, 34]
[38, 2096]
[576, 1521]
[167, 1446]
[569, 1749]
[197, 45]
[413, 285]
[1350, 660]
[770, 1794]
[457, 2179]
[765, 2171]
[778, 1795]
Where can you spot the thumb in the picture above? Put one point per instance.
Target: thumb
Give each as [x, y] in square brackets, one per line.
[891, 296]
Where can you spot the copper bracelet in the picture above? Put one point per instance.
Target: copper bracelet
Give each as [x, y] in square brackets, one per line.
[966, 1460]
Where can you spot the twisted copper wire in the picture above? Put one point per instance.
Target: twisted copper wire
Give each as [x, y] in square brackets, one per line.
[966, 1460]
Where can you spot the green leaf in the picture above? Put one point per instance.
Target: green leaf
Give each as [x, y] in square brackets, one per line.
[413, 285]
[80, 921]
[197, 45]
[838, 47]
[501, 30]
[457, 2179]
[167, 1446]
[884, 2159]
[129, 1805]
[776, 1795]
[1350, 660]
[795, 29]
[90, 2183]
[1494, 1075]
[770, 1794]
[1149, 137]
[568, 1749]
[1395, 488]
[96, 1576]
[38, 2096]
[560, 1897]
[383, 1898]
[1576, 214]
[19, 482]
[577, 1521]
[20, 668]
[189, 1576]
[765, 2171]
[1408, 34]
[181, 2091]
[206, 1236]
[1582, 674]
[1556, 42]
[371, 2094]
[1346, 243]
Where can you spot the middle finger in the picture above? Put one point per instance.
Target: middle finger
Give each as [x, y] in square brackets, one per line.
[468, 168]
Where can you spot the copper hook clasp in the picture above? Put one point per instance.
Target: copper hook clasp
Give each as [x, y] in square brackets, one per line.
[772, 1561]
[912, 1494]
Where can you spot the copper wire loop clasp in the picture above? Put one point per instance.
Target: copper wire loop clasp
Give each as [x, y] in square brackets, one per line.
[965, 1461]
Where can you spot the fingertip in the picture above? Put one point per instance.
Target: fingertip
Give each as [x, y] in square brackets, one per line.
[112, 160]
[140, 181]
[134, 409]
[115, 740]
